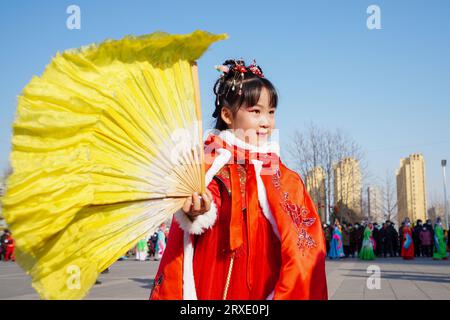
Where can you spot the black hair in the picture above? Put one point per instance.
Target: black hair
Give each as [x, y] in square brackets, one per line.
[234, 91]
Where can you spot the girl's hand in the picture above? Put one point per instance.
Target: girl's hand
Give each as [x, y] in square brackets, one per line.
[196, 205]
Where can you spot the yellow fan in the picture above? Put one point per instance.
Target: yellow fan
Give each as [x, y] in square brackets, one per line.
[107, 144]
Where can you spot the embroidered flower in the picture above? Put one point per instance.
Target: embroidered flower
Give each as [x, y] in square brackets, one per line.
[298, 214]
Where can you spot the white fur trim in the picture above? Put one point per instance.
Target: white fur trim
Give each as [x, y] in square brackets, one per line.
[189, 292]
[230, 138]
[262, 197]
[264, 203]
[223, 157]
[200, 223]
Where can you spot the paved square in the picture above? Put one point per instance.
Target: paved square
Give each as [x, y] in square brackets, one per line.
[421, 278]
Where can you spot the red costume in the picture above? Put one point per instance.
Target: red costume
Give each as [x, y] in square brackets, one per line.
[407, 244]
[262, 238]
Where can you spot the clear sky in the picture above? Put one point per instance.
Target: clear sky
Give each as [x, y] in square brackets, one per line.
[388, 88]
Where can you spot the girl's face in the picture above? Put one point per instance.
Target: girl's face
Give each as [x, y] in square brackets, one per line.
[252, 124]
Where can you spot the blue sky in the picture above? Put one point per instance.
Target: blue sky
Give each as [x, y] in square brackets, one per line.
[389, 89]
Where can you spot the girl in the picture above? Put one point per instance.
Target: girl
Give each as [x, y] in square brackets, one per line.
[336, 248]
[368, 245]
[255, 234]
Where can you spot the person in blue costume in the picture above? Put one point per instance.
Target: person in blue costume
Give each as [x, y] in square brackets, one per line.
[336, 247]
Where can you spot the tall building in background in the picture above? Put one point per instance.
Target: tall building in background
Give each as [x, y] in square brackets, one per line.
[375, 212]
[315, 185]
[347, 189]
[411, 195]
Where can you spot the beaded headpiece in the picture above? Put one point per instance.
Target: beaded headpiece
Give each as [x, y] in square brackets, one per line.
[235, 69]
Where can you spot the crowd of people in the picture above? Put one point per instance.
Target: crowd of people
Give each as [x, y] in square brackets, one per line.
[145, 249]
[154, 246]
[151, 247]
[369, 240]
[364, 240]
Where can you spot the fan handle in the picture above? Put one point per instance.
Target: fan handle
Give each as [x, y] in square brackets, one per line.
[198, 113]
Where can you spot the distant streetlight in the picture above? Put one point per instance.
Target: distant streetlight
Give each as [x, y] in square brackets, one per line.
[443, 164]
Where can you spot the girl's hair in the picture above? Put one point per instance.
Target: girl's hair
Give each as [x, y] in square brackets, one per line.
[236, 89]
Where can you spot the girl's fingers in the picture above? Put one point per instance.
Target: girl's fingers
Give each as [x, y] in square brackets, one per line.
[206, 202]
[197, 203]
[209, 194]
[187, 205]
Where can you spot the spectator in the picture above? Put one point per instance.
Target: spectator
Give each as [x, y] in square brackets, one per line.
[376, 238]
[151, 246]
[351, 232]
[426, 242]
[2, 244]
[429, 226]
[346, 240]
[327, 230]
[9, 245]
[382, 245]
[391, 239]
[358, 238]
[416, 237]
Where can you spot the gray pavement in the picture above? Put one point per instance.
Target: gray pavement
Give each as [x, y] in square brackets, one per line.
[422, 278]
[347, 279]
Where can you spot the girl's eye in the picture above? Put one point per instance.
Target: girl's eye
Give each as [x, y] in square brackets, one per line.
[272, 112]
[255, 111]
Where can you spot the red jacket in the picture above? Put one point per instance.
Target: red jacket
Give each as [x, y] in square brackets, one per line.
[262, 220]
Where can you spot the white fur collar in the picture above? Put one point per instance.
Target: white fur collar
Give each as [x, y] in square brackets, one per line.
[229, 137]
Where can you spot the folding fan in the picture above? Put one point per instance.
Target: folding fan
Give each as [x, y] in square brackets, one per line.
[106, 146]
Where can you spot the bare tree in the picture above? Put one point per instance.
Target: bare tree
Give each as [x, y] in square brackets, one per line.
[436, 206]
[319, 147]
[389, 198]
[346, 147]
[7, 172]
[309, 150]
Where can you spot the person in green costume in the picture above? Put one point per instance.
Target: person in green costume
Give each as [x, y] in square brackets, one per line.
[368, 245]
[141, 250]
[440, 249]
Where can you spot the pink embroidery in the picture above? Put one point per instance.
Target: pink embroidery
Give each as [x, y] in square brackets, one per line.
[276, 178]
[298, 214]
